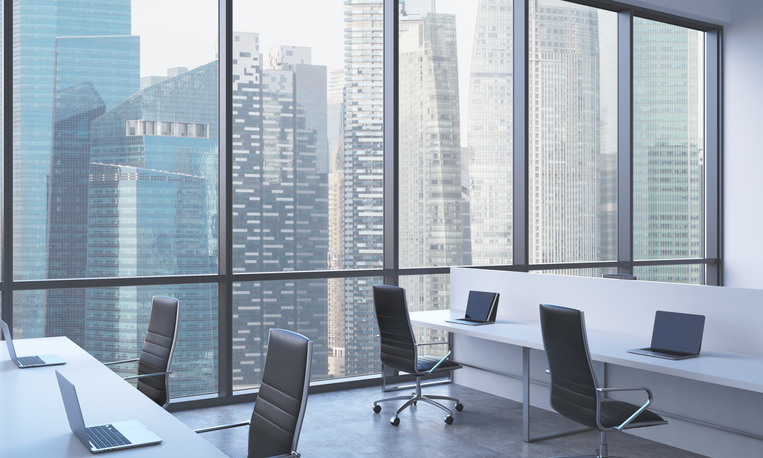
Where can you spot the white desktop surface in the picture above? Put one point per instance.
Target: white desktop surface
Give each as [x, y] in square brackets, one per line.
[728, 369]
[33, 421]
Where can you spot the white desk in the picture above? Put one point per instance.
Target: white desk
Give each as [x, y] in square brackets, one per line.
[33, 421]
[727, 369]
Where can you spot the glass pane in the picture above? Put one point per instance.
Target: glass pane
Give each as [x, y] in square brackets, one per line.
[342, 327]
[111, 324]
[307, 173]
[668, 145]
[115, 167]
[455, 132]
[433, 171]
[693, 274]
[572, 137]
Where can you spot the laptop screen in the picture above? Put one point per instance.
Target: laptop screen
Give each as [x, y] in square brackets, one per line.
[480, 305]
[678, 331]
[8, 340]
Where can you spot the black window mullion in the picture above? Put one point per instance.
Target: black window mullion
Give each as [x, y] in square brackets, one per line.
[625, 141]
[520, 213]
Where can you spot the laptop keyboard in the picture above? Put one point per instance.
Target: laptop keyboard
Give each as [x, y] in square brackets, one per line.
[106, 436]
[31, 361]
[670, 352]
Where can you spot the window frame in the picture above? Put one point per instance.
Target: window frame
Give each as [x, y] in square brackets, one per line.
[391, 271]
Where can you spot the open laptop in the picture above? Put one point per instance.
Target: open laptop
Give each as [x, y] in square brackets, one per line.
[25, 362]
[102, 438]
[675, 336]
[481, 308]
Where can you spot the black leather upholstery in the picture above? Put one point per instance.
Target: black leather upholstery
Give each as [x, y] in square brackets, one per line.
[280, 406]
[573, 381]
[398, 347]
[158, 348]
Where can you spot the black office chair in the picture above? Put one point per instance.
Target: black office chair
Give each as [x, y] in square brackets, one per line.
[158, 349]
[280, 405]
[575, 392]
[399, 350]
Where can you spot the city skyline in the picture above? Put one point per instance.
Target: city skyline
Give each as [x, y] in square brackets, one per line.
[131, 173]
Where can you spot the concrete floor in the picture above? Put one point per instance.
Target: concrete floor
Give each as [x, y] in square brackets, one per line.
[342, 424]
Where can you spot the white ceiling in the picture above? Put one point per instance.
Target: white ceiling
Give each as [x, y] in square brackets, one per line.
[722, 12]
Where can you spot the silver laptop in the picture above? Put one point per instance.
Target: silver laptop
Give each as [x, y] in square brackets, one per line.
[675, 336]
[102, 438]
[481, 308]
[25, 362]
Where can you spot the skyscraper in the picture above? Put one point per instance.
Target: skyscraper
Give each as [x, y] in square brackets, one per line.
[430, 208]
[490, 134]
[92, 75]
[668, 168]
[152, 199]
[363, 177]
[280, 200]
[564, 131]
[36, 27]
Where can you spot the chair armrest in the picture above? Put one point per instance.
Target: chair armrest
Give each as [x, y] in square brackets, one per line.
[147, 375]
[600, 391]
[219, 427]
[438, 363]
[132, 360]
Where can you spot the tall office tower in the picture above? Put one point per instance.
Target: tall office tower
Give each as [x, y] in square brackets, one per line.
[668, 170]
[152, 198]
[363, 177]
[36, 26]
[280, 203]
[564, 133]
[335, 123]
[430, 205]
[490, 134]
[103, 71]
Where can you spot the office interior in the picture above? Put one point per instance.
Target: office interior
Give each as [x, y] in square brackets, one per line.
[737, 246]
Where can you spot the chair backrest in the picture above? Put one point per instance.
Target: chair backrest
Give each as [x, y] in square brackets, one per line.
[573, 381]
[398, 346]
[158, 348]
[280, 405]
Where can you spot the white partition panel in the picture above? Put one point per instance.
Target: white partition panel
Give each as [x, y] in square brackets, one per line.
[708, 412]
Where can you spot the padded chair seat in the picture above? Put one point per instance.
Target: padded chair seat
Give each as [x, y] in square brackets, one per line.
[614, 413]
[426, 363]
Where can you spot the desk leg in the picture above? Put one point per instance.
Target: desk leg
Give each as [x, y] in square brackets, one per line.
[526, 404]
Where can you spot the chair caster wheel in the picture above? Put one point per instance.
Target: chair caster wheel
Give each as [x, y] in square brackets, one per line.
[448, 420]
[459, 407]
[394, 421]
[377, 408]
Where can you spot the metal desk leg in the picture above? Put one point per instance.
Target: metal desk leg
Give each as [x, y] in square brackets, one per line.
[526, 404]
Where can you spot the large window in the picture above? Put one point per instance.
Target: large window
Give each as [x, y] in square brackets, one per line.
[268, 177]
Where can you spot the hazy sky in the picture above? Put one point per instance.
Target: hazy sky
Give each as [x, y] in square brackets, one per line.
[182, 33]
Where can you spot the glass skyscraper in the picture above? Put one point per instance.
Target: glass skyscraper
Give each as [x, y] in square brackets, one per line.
[363, 178]
[430, 205]
[36, 27]
[490, 133]
[151, 202]
[92, 74]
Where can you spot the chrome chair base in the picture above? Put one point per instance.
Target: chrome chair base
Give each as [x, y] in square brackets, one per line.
[416, 397]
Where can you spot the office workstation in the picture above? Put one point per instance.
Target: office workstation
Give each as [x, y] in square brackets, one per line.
[711, 401]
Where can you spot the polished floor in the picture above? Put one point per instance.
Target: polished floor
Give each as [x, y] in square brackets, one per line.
[342, 424]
